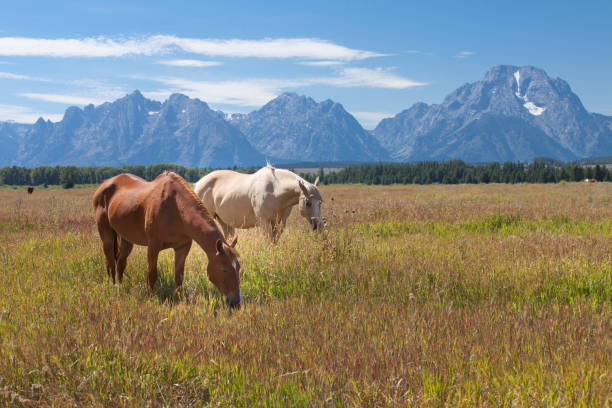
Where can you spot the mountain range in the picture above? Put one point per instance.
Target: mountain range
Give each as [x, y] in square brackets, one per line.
[512, 114]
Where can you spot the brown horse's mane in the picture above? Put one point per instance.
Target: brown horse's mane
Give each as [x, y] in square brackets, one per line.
[194, 198]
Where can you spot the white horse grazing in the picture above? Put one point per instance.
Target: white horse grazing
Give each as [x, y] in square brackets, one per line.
[264, 198]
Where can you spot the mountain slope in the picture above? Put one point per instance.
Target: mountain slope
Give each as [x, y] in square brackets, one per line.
[134, 129]
[11, 135]
[514, 113]
[296, 128]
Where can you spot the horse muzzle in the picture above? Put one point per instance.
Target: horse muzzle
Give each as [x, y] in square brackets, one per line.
[234, 302]
[317, 225]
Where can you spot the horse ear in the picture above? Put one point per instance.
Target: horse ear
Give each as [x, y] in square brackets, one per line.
[303, 187]
[219, 247]
[316, 183]
[233, 244]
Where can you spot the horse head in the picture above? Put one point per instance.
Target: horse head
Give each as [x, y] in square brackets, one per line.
[310, 203]
[223, 271]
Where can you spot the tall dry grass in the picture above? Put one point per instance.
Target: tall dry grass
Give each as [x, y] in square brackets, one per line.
[488, 295]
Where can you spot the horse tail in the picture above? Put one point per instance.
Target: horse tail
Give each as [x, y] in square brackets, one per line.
[101, 199]
[103, 194]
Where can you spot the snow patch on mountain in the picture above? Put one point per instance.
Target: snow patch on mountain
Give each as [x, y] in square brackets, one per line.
[530, 106]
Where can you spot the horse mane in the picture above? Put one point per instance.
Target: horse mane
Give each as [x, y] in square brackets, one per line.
[194, 198]
[269, 166]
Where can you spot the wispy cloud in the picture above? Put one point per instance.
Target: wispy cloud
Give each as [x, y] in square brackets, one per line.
[369, 120]
[63, 98]
[258, 91]
[22, 114]
[9, 75]
[321, 63]
[190, 63]
[249, 92]
[98, 90]
[464, 54]
[429, 54]
[243, 92]
[81, 92]
[74, 47]
[310, 48]
[370, 78]
[307, 48]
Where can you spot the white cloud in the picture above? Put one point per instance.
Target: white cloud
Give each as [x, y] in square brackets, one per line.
[369, 120]
[247, 92]
[271, 48]
[325, 63]
[64, 99]
[9, 75]
[190, 63]
[22, 114]
[258, 91]
[370, 78]
[464, 54]
[428, 54]
[73, 47]
[90, 91]
[98, 90]
[309, 48]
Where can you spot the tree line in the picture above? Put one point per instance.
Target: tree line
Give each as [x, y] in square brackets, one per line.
[428, 172]
[68, 176]
[459, 172]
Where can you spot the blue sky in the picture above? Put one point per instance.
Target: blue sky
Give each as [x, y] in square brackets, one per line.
[376, 58]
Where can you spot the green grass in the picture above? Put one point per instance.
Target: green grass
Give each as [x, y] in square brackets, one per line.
[413, 296]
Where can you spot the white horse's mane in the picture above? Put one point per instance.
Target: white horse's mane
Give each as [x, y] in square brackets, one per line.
[287, 173]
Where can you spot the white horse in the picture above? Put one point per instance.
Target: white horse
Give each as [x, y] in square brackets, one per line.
[264, 198]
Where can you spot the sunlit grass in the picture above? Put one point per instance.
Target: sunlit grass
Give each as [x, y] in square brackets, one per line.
[492, 295]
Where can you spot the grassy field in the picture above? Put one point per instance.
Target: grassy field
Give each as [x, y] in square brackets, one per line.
[469, 295]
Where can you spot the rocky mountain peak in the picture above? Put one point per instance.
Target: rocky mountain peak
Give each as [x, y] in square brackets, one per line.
[294, 128]
[513, 113]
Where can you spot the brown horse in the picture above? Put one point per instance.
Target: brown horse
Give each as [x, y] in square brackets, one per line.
[163, 213]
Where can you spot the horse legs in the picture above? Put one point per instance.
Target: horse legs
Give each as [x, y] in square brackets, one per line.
[280, 225]
[277, 229]
[180, 254]
[272, 229]
[276, 225]
[267, 224]
[152, 253]
[109, 241]
[125, 248]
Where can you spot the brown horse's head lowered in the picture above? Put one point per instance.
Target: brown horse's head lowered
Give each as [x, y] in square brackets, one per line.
[223, 271]
[163, 213]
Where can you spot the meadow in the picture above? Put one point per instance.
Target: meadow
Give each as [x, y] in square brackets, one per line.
[439, 295]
